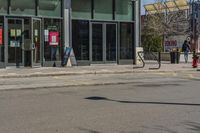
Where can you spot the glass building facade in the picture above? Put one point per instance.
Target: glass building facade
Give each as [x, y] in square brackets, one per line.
[31, 32]
[103, 31]
[36, 32]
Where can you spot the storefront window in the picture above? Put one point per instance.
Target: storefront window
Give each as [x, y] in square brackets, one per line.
[3, 6]
[80, 11]
[50, 8]
[103, 9]
[21, 8]
[124, 10]
[126, 43]
[52, 40]
[80, 39]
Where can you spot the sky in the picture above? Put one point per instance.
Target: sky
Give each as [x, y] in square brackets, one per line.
[144, 2]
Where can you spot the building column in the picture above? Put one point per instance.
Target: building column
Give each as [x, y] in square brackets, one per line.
[137, 22]
[136, 26]
[67, 23]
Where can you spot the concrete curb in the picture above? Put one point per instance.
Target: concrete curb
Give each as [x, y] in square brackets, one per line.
[79, 85]
[70, 85]
[89, 73]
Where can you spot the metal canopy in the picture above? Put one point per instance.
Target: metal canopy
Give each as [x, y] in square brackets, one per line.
[167, 6]
[150, 8]
[175, 5]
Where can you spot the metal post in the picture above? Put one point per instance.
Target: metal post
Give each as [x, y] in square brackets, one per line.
[159, 59]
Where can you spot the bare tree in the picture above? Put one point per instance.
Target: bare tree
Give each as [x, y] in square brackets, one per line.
[163, 22]
[167, 22]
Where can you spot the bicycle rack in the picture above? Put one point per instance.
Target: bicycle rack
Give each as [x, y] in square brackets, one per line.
[140, 53]
[149, 54]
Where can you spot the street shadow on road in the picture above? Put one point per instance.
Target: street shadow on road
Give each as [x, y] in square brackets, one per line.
[96, 98]
[194, 126]
[162, 129]
[157, 85]
[88, 130]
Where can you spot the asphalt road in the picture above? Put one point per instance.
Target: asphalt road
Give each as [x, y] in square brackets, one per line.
[140, 103]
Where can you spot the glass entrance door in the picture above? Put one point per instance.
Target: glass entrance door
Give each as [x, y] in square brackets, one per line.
[97, 42]
[15, 42]
[103, 42]
[36, 41]
[111, 42]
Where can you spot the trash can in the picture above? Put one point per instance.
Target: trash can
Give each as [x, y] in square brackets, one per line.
[175, 57]
[172, 57]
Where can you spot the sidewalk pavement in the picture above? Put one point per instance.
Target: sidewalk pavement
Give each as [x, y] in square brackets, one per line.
[93, 69]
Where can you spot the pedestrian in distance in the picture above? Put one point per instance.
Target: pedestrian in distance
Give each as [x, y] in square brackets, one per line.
[186, 50]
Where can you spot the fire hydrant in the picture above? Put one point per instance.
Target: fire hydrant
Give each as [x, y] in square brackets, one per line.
[195, 60]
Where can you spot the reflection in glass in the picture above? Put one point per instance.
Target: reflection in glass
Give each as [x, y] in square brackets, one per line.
[50, 8]
[103, 9]
[126, 43]
[3, 6]
[2, 40]
[111, 42]
[80, 11]
[52, 53]
[97, 42]
[36, 40]
[14, 41]
[124, 10]
[80, 39]
[20, 7]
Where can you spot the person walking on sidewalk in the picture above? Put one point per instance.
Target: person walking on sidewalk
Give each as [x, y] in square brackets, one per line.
[186, 50]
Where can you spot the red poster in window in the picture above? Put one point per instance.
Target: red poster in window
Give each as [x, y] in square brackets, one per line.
[1, 36]
[53, 38]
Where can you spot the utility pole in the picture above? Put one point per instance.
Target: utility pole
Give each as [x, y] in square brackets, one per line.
[195, 25]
